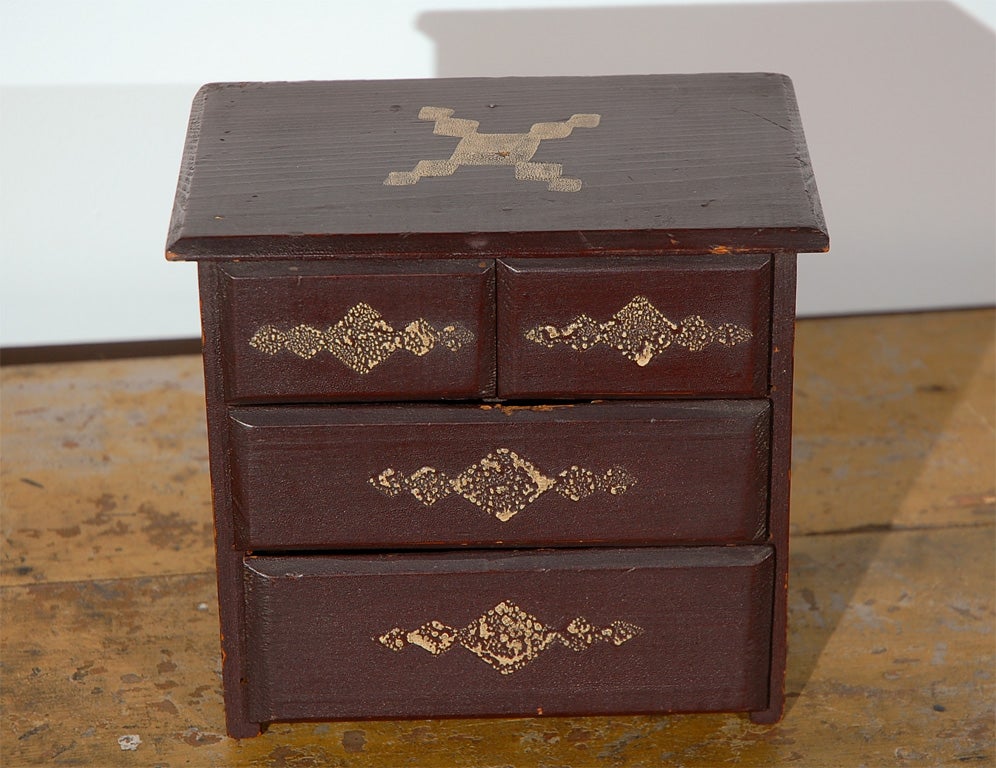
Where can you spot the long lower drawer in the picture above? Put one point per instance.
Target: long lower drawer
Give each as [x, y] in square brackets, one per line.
[340, 477]
[504, 633]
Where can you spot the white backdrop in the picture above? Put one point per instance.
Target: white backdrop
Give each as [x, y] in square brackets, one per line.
[94, 100]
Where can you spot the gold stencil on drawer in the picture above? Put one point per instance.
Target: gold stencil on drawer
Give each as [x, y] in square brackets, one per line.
[502, 483]
[362, 339]
[507, 638]
[639, 331]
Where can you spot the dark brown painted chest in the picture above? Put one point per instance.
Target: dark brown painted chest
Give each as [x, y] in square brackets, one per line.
[499, 378]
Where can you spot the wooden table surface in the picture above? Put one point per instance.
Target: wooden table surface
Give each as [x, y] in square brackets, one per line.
[109, 625]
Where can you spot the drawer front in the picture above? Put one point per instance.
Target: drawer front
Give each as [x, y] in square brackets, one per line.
[692, 325]
[563, 633]
[431, 476]
[358, 330]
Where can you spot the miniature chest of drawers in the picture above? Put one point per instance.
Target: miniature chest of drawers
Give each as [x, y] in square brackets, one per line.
[499, 378]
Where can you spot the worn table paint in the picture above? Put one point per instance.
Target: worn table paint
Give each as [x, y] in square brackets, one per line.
[109, 635]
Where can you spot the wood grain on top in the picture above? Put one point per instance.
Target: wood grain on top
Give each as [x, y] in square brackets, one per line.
[672, 163]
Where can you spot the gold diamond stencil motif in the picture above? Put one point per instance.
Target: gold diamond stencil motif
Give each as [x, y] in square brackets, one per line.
[639, 331]
[508, 638]
[502, 483]
[515, 149]
[362, 339]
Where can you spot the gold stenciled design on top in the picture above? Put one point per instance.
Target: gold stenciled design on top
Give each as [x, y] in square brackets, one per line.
[362, 339]
[639, 331]
[515, 149]
[507, 638]
[502, 483]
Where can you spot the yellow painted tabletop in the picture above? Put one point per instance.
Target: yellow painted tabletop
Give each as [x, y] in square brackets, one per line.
[109, 632]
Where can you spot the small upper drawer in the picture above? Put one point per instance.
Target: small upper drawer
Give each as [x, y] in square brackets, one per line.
[665, 326]
[357, 330]
[388, 476]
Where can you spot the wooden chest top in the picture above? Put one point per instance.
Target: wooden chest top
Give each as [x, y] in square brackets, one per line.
[520, 166]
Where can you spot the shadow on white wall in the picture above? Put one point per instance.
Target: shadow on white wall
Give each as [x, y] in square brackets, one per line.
[898, 101]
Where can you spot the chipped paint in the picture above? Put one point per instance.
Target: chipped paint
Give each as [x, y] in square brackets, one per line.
[509, 410]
